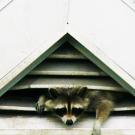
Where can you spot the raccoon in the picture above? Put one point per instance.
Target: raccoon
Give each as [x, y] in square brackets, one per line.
[69, 103]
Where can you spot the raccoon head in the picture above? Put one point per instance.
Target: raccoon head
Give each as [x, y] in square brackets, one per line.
[69, 103]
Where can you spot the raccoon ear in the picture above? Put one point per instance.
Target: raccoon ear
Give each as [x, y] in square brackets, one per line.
[53, 92]
[82, 91]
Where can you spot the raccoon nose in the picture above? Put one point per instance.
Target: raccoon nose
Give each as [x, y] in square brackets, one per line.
[69, 122]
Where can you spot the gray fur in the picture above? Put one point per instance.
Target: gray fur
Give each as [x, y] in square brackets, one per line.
[79, 98]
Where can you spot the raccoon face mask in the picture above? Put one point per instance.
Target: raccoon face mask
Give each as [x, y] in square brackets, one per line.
[69, 104]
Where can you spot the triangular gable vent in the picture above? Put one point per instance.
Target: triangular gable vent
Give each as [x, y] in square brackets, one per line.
[92, 53]
[64, 67]
[67, 67]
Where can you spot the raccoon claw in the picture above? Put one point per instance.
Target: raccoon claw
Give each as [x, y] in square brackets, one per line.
[96, 129]
[96, 132]
[39, 108]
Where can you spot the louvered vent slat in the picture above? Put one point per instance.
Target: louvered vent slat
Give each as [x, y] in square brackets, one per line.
[49, 82]
[68, 68]
[67, 52]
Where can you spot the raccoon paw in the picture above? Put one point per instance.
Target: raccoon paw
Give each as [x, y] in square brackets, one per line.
[96, 132]
[96, 129]
[40, 108]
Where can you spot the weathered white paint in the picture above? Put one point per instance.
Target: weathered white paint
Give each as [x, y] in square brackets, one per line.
[24, 124]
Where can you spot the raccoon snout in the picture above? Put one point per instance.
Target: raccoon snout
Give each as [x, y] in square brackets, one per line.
[69, 122]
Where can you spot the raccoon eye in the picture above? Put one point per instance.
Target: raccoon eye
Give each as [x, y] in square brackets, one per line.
[61, 111]
[77, 111]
